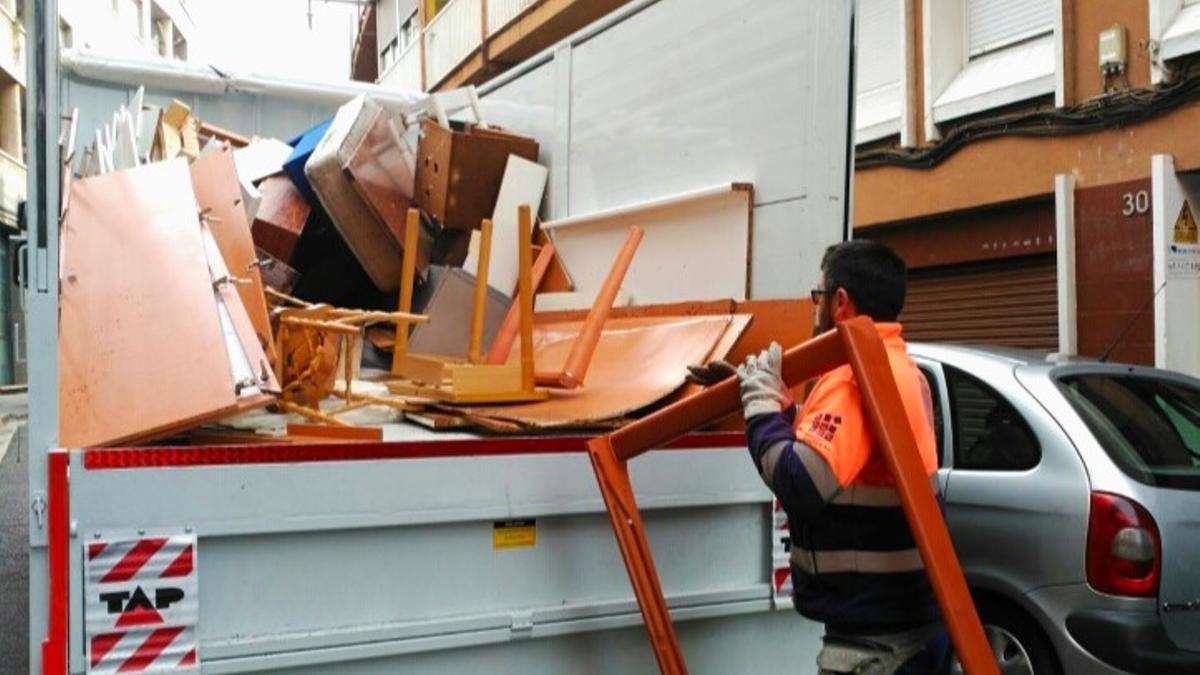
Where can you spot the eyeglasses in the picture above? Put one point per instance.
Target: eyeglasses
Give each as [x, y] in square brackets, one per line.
[817, 293]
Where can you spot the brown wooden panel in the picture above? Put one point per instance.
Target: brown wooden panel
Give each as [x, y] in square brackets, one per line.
[280, 218]
[1114, 271]
[141, 348]
[1006, 231]
[215, 181]
[1012, 303]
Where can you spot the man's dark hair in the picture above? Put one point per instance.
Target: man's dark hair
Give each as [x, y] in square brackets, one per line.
[872, 274]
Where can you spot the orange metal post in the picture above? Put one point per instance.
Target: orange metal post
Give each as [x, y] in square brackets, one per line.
[525, 293]
[408, 268]
[502, 343]
[855, 341]
[585, 343]
[885, 410]
[481, 284]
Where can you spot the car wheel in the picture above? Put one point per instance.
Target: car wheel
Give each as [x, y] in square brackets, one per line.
[1018, 643]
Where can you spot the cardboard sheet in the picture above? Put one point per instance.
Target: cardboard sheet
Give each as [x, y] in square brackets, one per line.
[696, 247]
[140, 335]
[638, 361]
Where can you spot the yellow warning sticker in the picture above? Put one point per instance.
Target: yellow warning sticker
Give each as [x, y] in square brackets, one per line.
[514, 533]
[1185, 226]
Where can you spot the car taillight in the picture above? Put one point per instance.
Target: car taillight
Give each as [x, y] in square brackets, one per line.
[1124, 552]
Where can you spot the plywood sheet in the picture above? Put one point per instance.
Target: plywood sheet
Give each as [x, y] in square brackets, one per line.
[140, 337]
[696, 246]
[218, 192]
[637, 362]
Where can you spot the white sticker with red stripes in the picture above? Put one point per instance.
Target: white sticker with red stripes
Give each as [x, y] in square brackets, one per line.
[781, 566]
[142, 605]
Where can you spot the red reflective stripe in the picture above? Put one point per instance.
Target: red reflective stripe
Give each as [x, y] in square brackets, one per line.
[139, 458]
[181, 566]
[103, 644]
[134, 560]
[150, 650]
[188, 660]
[54, 647]
[96, 548]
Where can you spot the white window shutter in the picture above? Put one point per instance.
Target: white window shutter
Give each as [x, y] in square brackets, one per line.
[992, 24]
[879, 59]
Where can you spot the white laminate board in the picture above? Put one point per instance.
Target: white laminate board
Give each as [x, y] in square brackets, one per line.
[524, 183]
[784, 265]
[262, 158]
[769, 105]
[695, 247]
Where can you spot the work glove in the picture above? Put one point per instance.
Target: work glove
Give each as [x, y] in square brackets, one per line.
[760, 379]
[711, 372]
[762, 387]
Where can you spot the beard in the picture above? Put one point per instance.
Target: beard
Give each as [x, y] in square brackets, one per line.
[824, 320]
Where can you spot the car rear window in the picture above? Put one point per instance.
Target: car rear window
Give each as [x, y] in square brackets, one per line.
[1149, 426]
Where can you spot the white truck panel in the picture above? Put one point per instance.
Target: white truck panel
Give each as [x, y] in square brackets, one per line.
[388, 566]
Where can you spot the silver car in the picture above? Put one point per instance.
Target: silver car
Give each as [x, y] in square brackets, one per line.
[1073, 499]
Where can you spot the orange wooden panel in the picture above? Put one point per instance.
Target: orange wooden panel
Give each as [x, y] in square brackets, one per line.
[215, 181]
[636, 363]
[140, 349]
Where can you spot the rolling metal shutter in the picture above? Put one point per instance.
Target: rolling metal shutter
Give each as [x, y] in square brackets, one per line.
[992, 24]
[1011, 303]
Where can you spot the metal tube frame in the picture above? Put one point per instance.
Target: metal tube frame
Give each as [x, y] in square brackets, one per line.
[855, 342]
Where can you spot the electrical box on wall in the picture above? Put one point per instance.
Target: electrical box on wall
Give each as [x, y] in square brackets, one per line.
[1112, 50]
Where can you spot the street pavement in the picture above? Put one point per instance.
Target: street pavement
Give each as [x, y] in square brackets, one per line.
[14, 536]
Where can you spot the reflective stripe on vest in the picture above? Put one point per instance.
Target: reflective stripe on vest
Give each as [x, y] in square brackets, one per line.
[871, 562]
[874, 495]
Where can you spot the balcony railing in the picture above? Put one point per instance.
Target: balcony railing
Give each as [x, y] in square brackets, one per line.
[450, 38]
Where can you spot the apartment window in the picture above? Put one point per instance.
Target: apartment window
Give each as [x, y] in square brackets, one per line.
[983, 54]
[396, 28]
[995, 24]
[129, 16]
[1175, 26]
[879, 69]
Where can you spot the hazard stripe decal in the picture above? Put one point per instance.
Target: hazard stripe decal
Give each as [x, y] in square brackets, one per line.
[181, 566]
[96, 548]
[150, 650]
[102, 645]
[133, 561]
[188, 660]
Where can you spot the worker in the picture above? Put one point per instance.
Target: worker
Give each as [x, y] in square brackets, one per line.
[855, 566]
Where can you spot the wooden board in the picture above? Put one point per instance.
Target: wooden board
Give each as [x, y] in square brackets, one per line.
[637, 362]
[448, 395]
[524, 183]
[280, 218]
[697, 246]
[262, 158]
[140, 338]
[215, 181]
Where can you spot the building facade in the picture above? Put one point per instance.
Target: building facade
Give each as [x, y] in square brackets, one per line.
[1035, 160]
[127, 27]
